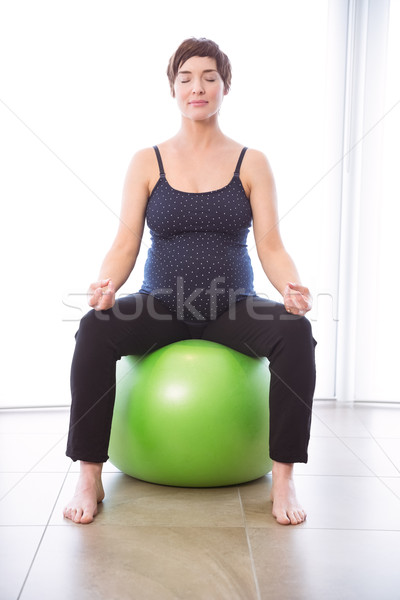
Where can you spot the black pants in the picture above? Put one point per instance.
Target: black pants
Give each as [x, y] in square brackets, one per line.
[139, 324]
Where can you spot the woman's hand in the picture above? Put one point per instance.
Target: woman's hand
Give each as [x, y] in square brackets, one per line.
[297, 299]
[101, 294]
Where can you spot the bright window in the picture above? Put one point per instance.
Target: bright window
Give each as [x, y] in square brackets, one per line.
[378, 327]
[84, 86]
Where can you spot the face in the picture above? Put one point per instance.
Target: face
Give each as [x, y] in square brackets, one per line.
[199, 88]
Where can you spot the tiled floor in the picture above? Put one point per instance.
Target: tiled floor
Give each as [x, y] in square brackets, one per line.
[155, 542]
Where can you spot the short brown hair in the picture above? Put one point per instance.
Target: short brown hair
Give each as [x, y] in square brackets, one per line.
[199, 47]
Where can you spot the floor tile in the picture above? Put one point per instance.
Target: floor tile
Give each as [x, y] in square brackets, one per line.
[39, 420]
[133, 502]
[381, 420]
[152, 541]
[319, 428]
[300, 564]
[330, 502]
[121, 563]
[340, 418]
[393, 484]
[370, 452]
[256, 503]
[30, 498]
[392, 449]
[7, 482]
[22, 452]
[332, 456]
[17, 549]
[349, 503]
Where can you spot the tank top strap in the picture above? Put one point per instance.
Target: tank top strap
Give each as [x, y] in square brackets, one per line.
[161, 166]
[160, 163]
[239, 163]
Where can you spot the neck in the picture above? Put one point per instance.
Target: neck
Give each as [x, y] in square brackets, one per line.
[199, 134]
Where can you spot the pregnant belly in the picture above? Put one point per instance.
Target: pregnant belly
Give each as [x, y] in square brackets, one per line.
[197, 290]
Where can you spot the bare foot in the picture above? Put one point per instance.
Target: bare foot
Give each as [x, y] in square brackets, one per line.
[285, 507]
[89, 491]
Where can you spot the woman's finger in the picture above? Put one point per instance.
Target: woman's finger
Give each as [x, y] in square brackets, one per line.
[94, 296]
[99, 284]
[299, 288]
[297, 299]
[297, 305]
[97, 289]
[107, 297]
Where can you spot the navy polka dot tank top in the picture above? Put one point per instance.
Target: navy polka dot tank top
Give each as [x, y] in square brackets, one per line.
[198, 263]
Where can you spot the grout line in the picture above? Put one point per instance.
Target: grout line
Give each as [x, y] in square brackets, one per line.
[31, 470]
[314, 414]
[381, 477]
[32, 407]
[5, 526]
[72, 425]
[387, 455]
[373, 476]
[253, 567]
[344, 529]
[43, 534]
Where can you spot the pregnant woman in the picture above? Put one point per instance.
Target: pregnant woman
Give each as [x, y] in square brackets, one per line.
[199, 192]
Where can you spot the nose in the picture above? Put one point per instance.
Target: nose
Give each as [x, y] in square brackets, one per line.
[197, 87]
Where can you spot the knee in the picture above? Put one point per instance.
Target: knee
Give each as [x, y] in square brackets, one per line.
[91, 325]
[298, 330]
[302, 325]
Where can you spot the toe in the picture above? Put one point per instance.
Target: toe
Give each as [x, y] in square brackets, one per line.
[77, 516]
[87, 516]
[283, 518]
[301, 515]
[70, 513]
[297, 516]
[294, 517]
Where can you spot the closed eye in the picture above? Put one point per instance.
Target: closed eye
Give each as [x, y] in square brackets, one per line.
[188, 80]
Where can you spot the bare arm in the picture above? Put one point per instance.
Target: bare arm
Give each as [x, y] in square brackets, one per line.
[275, 260]
[121, 258]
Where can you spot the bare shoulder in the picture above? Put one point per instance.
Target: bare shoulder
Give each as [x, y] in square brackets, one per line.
[256, 171]
[142, 158]
[142, 169]
[255, 160]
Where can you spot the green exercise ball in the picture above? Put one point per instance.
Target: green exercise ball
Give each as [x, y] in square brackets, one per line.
[192, 414]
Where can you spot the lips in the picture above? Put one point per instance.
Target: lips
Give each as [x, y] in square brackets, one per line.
[198, 102]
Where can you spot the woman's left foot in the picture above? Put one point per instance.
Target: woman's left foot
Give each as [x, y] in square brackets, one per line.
[285, 506]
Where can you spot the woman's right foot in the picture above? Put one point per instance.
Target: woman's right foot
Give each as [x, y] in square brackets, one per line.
[82, 508]
[285, 506]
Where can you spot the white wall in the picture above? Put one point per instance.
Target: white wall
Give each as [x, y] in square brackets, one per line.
[378, 324]
[367, 356]
[84, 86]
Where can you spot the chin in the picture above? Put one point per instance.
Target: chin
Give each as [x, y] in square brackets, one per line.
[201, 117]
